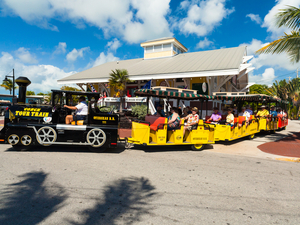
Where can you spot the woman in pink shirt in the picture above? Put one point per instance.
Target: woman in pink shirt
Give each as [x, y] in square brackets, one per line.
[215, 117]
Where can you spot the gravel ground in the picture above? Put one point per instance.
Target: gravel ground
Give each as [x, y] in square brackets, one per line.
[162, 185]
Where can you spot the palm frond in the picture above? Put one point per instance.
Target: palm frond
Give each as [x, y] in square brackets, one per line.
[289, 17]
[289, 43]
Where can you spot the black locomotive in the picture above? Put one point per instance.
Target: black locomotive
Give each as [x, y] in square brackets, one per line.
[26, 125]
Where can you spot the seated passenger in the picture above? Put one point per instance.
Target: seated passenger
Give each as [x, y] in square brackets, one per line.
[192, 120]
[174, 119]
[81, 111]
[215, 117]
[279, 115]
[249, 109]
[273, 111]
[230, 117]
[262, 112]
[185, 113]
[159, 111]
[245, 114]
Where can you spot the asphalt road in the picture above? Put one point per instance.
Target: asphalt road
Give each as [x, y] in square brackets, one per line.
[162, 185]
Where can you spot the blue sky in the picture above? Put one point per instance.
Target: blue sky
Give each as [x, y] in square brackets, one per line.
[46, 40]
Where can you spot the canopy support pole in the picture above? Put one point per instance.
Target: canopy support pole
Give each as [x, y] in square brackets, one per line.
[206, 106]
[147, 105]
[201, 109]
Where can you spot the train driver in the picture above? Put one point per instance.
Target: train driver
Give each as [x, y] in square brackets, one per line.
[81, 111]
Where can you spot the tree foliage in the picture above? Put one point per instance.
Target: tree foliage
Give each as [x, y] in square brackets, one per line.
[259, 89]
[288, 43]
[30, 93]
[69, 88]
[8, 85]
[117, 81]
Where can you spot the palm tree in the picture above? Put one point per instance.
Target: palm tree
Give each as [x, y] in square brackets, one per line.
[289, 43]
[118, 80]
[8, 85]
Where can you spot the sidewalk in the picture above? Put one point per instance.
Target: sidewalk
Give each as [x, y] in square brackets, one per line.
[275, 146]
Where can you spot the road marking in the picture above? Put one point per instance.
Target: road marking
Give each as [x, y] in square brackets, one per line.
[289, 159]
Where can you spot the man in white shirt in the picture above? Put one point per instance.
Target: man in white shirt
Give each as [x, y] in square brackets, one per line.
[81, 111]
[245, 114]
[249, 109]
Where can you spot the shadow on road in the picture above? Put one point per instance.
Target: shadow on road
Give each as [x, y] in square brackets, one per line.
[30, 201]
[71, 149]
[124, 200]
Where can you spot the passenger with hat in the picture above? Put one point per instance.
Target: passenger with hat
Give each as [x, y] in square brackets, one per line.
[192, 120]
[262, 112]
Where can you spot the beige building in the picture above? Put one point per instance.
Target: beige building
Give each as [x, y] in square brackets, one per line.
[167, 63]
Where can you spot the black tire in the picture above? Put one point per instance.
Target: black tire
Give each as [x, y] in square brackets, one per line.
[250, 137]
[198, 147]
[98, 150]
[21, 147]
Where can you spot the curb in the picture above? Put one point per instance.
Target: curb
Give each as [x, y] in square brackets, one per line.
[289, 159]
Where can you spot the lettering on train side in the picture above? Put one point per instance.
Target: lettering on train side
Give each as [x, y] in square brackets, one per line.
[104, 118]
[32, 114]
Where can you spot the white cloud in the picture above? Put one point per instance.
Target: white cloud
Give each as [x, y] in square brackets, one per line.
[269, 20]
[133, 20]
[266, 78]
[277, 60]
[25, 56]
[204, 43]
[60, 48]
[114, 44]
[202, 16]
[74, 54]
[43, 77]
[254, 17]
[104, 58]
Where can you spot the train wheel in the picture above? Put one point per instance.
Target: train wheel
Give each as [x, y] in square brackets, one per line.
[198, 147]
[13, 139]
[26, 140]
[96, 137]
[251, 136]
[47, 135]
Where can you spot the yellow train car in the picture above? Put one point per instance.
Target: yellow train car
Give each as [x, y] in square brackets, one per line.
[256, 125]
[153, 130]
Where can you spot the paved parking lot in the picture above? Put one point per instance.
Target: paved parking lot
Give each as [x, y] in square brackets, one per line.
[163, 185]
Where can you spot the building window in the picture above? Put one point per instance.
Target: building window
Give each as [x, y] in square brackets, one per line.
[167, 47]
[149, 49]
[157, 48]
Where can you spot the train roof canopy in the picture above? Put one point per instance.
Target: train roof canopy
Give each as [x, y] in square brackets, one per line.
[170, 94]
[250, 98]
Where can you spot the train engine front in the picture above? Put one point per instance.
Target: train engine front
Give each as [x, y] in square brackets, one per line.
[19, 118]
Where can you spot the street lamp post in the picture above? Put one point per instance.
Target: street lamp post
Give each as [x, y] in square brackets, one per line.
[13, 77]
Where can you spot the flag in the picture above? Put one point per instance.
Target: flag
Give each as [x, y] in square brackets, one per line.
[147, 85]
[93, 89]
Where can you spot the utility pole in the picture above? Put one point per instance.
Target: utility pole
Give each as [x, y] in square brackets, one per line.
[297, 72]
[289, 79]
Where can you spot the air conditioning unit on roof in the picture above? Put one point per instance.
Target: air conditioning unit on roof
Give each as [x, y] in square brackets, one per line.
[229, 93]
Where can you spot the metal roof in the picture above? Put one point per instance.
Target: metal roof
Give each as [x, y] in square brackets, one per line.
[204, 61]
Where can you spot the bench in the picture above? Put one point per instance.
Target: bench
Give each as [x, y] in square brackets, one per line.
[155, 122]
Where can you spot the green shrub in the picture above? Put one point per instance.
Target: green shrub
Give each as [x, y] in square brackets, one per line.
[107, 109]
[139, 111]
